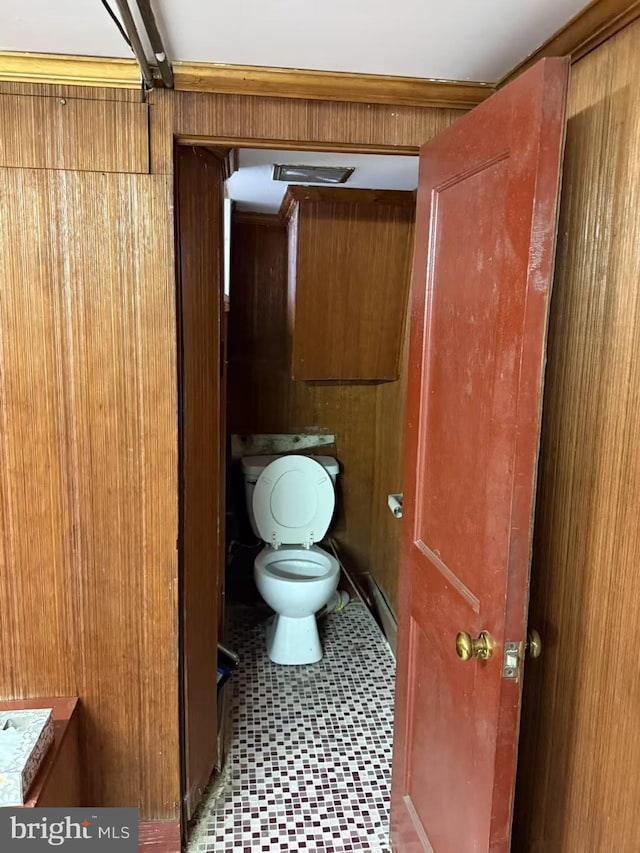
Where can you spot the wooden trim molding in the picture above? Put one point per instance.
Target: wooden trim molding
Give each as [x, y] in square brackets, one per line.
[159, 836]
[287, 206]
[69, 70]
[296, 193]
[250, 217]
[349, 195]
[328, 85]
[227, 157]
[246, 80]
[296, 145]
[600, 20]
[597, 22]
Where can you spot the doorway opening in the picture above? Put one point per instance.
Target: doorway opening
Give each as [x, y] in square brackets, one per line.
[486, 220]
[304, 750]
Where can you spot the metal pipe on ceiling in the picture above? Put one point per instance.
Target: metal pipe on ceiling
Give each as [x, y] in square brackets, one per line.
[136, 44]
[155, 39]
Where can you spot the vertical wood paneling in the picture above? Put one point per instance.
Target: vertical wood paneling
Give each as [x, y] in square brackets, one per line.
[388, 477]
[88, 490]
[367, 419]
[262, 396]
[349, 282]
[200, 201]
[289, 120]
[88, 426]
[161, 119]
[71, 133]
[88, 469]
[578, 785]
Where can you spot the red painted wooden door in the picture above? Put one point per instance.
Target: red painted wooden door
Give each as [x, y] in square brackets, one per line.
[485, 238]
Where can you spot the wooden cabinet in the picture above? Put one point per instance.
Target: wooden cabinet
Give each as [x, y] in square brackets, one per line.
[349, 269]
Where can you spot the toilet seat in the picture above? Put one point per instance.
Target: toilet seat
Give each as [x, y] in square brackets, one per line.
[293, 563]
[293, 502]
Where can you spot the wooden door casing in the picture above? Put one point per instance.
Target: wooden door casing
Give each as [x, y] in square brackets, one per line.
[485, 235]
[200, 304]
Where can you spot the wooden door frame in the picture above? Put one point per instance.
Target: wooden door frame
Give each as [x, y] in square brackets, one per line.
[296, 145]
[260, 142]
[225, 143]
[180, 414]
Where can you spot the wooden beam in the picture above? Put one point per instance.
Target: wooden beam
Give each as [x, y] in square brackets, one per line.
[246, 80]
[600, 20]
[350, 195]
[251, 217]
[295, 145]
[328, 85]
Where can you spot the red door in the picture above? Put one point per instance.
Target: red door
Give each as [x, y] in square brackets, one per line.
[485, 236]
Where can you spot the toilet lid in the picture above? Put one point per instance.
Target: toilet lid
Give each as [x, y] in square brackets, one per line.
[293, 501]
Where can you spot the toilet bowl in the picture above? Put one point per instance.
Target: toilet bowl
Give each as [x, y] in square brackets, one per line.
[293, 502]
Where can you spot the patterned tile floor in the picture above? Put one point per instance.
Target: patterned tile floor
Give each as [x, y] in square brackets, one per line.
[309, 762]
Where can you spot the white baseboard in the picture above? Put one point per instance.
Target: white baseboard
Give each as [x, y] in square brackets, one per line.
[385, 614]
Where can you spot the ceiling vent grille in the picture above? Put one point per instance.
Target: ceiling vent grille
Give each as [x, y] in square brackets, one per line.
[312, 174]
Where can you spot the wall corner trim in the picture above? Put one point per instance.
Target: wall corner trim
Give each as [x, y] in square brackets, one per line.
[596, 23]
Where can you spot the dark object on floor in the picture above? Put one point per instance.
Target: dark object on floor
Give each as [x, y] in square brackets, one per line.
[227, 662]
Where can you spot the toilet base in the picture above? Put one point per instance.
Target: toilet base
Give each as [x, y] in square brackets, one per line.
[292, 641]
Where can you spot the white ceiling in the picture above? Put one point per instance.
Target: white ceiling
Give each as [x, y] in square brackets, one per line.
[456, 40]
[252, 188]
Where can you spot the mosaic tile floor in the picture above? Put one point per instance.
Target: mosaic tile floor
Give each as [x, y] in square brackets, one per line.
[309, 762]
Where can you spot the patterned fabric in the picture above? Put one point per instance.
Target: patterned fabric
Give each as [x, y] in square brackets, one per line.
[309, 762]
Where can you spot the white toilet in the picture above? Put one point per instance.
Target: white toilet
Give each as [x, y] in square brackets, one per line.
[291, 501]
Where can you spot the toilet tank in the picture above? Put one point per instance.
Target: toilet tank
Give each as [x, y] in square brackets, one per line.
[253, 466]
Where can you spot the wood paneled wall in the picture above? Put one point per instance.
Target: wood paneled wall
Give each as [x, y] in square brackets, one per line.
[88, 411]
[388, 478]
[349, 276]
[199, 217]
[88, 468]
[88, 436]
[335, 124]
[578, 783]
[367, 419]
[60, 133]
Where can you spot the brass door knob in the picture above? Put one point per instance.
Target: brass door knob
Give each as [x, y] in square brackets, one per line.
[466, 648]
[533, 646]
